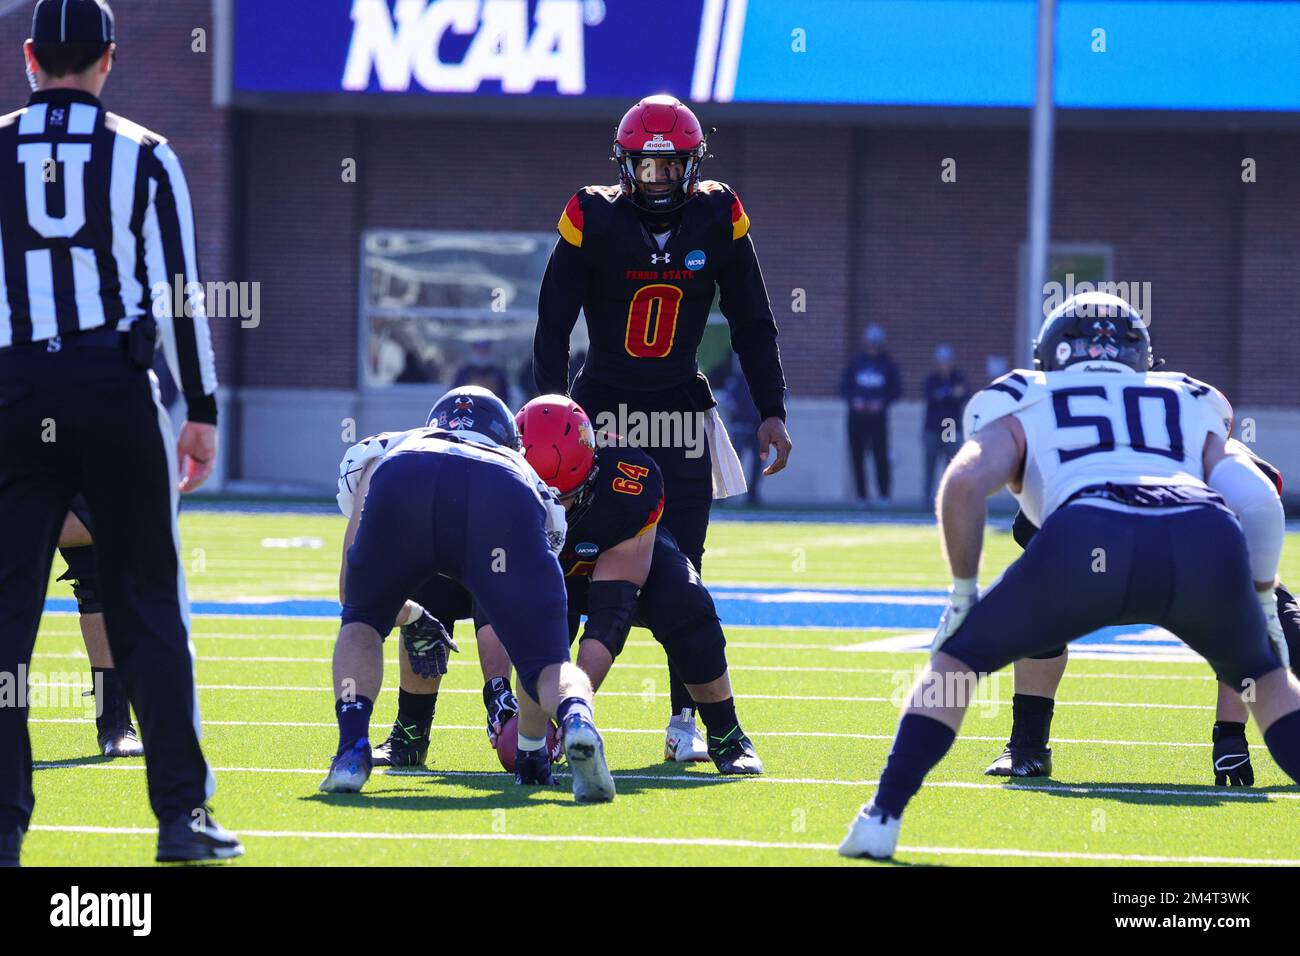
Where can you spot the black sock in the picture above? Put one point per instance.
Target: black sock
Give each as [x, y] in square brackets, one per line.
[574, 705]
[113, 709]
[681, 697]
[1283, 741]
[1031, 720]
[354, 721]
[415, 712]
[720, 721]
[920, 743]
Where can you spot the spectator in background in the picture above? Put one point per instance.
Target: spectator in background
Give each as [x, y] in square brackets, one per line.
[482, 371]
[869, 385]
[742, 419]
[945, 396]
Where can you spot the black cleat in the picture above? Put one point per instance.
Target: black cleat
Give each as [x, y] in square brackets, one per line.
[735, 756]
[402, 748]
[186, 840]
[11, 844]
[1022, 762]
[533, 768]
[123, 742]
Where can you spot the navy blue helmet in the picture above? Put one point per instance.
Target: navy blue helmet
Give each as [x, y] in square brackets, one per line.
[1094, 327]
[476, 415]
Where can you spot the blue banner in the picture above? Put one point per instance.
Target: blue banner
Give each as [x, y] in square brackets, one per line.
[1111, 54]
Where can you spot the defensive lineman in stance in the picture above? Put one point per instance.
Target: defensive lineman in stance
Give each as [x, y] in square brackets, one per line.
[458, 499]
[1102, 454]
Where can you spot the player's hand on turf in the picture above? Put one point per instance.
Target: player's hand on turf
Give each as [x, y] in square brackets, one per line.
[196, 451]
[960, 600]
[1268, 604]
[428, 645]
[771, 434]
[1232, 758]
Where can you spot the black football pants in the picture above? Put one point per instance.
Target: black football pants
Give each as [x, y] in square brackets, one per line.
[84, 419]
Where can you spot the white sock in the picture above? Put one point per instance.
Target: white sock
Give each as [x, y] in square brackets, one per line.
[531, 743]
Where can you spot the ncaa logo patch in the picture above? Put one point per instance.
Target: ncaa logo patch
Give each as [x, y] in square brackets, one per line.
[586, 549]
[695, 260]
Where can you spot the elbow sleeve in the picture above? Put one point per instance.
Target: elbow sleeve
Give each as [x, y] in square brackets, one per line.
[1255, 501]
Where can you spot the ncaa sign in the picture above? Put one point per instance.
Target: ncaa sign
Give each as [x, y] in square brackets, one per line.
[408, 45]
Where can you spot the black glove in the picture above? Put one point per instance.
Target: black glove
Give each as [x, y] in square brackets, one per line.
[501, 706]
[1232, 756]
[427, 645]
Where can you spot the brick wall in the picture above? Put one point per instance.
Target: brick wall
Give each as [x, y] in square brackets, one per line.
[160, 82]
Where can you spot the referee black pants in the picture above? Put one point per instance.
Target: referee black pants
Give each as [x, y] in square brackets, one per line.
[84, 419]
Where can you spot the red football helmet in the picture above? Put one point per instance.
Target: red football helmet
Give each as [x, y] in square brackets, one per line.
[558, 442]
[659, 127]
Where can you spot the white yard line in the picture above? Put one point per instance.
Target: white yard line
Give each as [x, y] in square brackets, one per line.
[1233, 793]
[979, 704]
[654, 731]
[710, 842]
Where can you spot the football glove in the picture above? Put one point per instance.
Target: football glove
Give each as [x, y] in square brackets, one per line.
[428, 645]
[1232, 756]
[501, 705]
[961, 599]
[1268, 604]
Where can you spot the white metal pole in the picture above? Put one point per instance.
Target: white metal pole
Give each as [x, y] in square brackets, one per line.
[1040, 168]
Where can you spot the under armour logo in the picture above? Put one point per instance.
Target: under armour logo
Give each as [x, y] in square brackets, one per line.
[54, 345]
[656, 259]
[347, 707]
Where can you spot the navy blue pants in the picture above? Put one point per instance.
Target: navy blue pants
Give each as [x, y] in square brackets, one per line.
[1187, 572]
[477, 522]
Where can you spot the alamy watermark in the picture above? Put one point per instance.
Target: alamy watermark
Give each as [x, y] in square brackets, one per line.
[217, 300]
[1136, 294]
[63, 691]
[624, 427]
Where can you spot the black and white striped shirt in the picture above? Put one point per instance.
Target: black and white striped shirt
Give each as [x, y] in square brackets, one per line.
[96, 229]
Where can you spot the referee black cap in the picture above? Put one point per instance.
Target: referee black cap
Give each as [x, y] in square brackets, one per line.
[72, 21]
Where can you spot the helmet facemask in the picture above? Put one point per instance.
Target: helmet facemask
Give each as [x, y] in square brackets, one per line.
[659, 181]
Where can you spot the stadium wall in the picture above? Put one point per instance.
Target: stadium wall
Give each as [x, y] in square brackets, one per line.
[857, 217]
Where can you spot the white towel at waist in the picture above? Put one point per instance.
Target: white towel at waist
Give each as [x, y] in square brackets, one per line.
[728, 474]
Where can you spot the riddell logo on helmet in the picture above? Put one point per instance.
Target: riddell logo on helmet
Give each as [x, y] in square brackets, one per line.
[659, 144]
[404, 45]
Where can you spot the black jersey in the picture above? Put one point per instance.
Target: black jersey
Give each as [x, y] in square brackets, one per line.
[646, 307]
[625, 500]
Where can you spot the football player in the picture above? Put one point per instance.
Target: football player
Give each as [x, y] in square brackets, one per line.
[622, 568]
[643, 260]
[1101, 453]
[114, 730]
[457, 498]
[1028, 752]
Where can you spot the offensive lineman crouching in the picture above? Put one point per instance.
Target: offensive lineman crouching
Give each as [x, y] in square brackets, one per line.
[621, 568]
[460, 500]
[1101, 452]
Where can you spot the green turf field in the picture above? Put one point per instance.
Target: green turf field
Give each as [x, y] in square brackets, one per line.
[1131, 738]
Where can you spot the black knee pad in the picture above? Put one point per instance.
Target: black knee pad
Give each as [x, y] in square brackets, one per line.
[697, 649]
[1023, 531]
[84, 577]
[611, 605]
[1048, 655]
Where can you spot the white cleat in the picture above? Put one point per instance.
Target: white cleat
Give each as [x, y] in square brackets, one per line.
[873, 834]
[684, 743]
[585, 753]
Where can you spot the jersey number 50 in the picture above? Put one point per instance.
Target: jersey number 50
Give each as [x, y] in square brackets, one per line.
[1132, 397]
[652, 320]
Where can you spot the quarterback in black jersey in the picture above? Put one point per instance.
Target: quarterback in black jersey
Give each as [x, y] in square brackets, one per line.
[643, 261]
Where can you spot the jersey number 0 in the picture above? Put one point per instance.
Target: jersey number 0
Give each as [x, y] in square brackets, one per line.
[652, 320]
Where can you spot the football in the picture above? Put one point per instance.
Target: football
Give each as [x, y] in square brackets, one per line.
[508, 743]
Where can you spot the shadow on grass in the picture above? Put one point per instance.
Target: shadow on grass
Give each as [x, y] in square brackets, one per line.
[1154, 794]
[496, 789]
[84, 761]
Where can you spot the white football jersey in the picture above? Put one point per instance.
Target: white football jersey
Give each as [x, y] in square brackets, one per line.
[1099, 423]
[386, 444]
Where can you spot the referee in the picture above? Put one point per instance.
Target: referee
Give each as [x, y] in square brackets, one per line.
[95, 227]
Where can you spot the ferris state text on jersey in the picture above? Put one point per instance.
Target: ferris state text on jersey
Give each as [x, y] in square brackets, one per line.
[625, 500]
[646, 302]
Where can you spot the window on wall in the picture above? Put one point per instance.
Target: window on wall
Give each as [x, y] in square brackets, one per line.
[448, 308]
[1072, 267]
